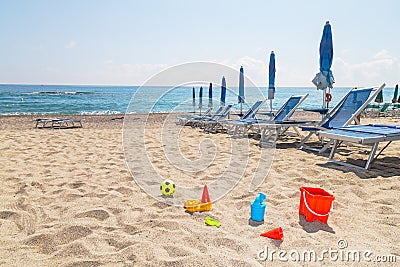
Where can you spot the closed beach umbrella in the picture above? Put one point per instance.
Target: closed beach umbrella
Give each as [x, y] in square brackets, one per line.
[241, 89]
[398, 100]
[223, 91]
[271, 84]
[210, 102]
[396, 92]
[201, 98]
[379, 97]
[194, 100]
[324, 79]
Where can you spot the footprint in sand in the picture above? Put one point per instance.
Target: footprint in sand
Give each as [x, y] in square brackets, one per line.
[228, 243]
[99, 214]
[47, 243]
[76, 185]
[76, 249]
[124, 190]
[119, 245]
[24, 220]
[83, 264]
[175, 252]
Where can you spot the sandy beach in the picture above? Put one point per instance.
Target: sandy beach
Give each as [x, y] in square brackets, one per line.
[69, 199]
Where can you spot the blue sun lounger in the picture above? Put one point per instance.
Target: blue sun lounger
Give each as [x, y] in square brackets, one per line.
[344, 113]
[243, 126]
[212, 124]
[233, 126]
[365, 135]
[188, 119]
[58, 123]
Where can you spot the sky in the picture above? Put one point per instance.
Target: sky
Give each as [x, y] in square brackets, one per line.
[98, 42]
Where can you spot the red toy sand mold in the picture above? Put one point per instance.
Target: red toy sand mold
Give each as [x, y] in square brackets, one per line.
[276, 234]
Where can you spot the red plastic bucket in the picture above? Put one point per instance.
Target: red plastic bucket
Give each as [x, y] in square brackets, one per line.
[315, 204]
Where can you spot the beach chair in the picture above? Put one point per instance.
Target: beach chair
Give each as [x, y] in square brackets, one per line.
[58, 123]
[233, 126]
[76, 123]
[370, 135]
[371, 110]
[199, 122]
[212, 124]
[186, 119]
[344, 113]
[243, 126]
[42, 122]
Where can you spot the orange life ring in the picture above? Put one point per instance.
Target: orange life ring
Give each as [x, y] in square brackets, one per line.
[328, 97]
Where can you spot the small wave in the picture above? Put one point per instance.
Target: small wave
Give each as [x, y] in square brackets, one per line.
[59, 93]
[103, 112]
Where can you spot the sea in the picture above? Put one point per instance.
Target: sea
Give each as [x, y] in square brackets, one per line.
[20, 99]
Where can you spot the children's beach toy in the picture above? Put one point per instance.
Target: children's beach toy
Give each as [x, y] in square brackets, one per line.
[205, 197]
[212, 222]
[167, 187]
[276, 234]
[258, 208]
[204, 204]
[315, 204]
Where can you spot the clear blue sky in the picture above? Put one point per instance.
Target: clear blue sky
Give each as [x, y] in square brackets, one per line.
[125, 42]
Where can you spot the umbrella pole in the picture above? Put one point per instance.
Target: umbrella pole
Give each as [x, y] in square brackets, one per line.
[241, 112]
[324, 99]
[270, 105]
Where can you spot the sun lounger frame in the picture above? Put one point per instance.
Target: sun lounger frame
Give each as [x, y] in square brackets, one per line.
[370, 135]
[59, 123]
[353, 117]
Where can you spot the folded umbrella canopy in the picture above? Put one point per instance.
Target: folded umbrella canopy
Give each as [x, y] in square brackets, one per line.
[241, 90]
[379, 97]
[201, 98]
[194, 100]
[324, 79]
[210, 101]
[396, 92]
[223, 91]
[271, 84]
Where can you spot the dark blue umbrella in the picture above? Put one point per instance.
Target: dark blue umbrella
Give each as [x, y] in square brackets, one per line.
[241, 89]
[223, 91]
[271, 85]
[326, 52]
[210, 102]
[324, 78]
[194, 100]
[201, 98]
[379, 97]
[396, 92]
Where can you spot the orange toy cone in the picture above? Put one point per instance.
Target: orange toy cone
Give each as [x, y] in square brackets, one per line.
[276, 233]
[205, 197]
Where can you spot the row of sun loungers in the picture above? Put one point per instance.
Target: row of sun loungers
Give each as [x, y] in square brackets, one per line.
[334, 126]
[383, 110]
[58, 123]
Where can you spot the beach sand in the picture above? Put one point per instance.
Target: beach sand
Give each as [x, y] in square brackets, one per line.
[69, 199]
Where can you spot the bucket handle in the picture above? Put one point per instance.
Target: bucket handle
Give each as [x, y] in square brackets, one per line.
[313, 212]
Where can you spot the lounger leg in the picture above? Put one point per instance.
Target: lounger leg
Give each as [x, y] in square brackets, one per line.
[296, 130]
[333, 151]
[371, 155]
[382, 150]
[305, 139]
[325, 147]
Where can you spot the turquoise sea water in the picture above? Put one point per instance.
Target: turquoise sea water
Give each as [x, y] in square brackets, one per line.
[74, 99]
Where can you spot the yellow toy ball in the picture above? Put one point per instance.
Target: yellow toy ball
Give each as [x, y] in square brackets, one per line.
[167, 187]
